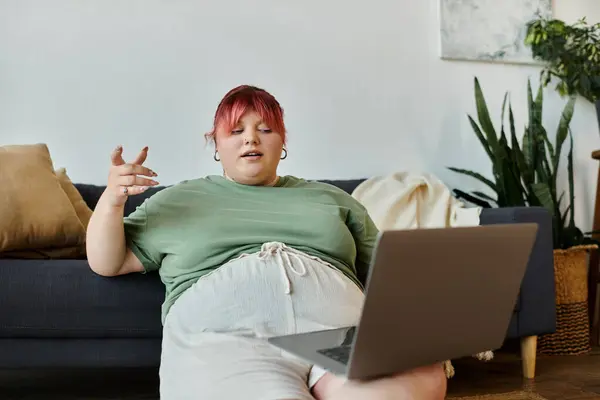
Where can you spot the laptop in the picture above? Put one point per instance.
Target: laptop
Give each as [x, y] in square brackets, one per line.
[431, 295]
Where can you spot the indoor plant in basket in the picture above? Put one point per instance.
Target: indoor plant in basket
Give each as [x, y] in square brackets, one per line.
[571, 54]
[525, 173]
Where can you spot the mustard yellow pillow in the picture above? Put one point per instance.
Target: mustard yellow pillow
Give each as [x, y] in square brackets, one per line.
[84, 213]
[35, 212]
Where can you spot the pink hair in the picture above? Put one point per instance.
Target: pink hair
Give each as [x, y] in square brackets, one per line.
[246, 98]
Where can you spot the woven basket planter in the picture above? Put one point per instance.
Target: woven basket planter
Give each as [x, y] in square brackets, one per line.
[572, 336]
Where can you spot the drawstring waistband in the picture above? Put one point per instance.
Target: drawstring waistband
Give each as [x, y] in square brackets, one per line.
[283, 254]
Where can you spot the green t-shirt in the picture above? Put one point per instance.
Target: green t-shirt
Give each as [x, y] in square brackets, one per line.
[191, 228]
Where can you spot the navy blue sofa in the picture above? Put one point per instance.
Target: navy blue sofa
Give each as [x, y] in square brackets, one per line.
[58, 313]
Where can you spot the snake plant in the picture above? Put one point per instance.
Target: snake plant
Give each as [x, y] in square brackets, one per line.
[525, 171]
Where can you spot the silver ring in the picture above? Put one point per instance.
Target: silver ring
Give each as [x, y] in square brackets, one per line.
[126, 190]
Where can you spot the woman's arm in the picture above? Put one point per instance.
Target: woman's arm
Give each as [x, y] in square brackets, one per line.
[106, 247]
[365, 234]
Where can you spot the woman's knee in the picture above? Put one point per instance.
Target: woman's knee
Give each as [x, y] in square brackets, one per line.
[432, 381]
[424, 383]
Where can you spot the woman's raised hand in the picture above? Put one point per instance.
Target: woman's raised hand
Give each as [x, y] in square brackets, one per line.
[127, 179]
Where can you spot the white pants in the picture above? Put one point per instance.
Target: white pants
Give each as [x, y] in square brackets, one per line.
[214, 337]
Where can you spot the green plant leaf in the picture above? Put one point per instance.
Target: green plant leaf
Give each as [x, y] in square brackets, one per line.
[535, 141]
[484, 117]
[502, 112]
[542, 192]
[543, 167]
[459, 194]
[474, 175]
[485, 196]
[538, 107]
[481, 138]
[550, 149]
[563, 130]
[529, 137]
[526, 172]
[563, 218]
[571, 181]
[513, 174]
[560, 199]
[514, 191]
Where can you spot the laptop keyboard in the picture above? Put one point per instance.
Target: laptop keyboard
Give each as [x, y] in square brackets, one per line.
[340, 354]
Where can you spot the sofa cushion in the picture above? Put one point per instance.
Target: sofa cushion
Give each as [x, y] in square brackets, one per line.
[92, 193]
[30, 189]
[65, 299]
[69, 252]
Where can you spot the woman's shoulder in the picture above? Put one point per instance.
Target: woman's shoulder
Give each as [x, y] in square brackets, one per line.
[180, 189]
[323, 186]
[341, 196]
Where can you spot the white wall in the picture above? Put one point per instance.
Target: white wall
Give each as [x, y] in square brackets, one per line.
[362, 84]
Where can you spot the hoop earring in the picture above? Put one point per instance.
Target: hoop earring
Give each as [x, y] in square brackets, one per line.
[285, 156]
[215, 157]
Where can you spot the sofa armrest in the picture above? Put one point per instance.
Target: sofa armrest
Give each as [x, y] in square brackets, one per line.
[536, 314]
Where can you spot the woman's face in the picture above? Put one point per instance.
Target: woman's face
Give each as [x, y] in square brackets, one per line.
[251, 152]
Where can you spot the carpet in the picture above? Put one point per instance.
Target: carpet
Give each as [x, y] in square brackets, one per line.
[502, 396]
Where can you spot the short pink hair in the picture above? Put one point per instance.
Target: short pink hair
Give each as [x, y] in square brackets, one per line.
[246, 98]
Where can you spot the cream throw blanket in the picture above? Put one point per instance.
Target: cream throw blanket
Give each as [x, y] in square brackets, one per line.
[407, 200]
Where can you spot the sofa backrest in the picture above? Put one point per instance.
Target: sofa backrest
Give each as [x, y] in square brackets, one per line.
[91, 193]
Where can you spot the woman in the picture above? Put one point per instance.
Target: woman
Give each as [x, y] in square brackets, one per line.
[245, 256]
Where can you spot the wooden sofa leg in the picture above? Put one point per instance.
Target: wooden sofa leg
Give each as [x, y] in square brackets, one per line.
[528, 355]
